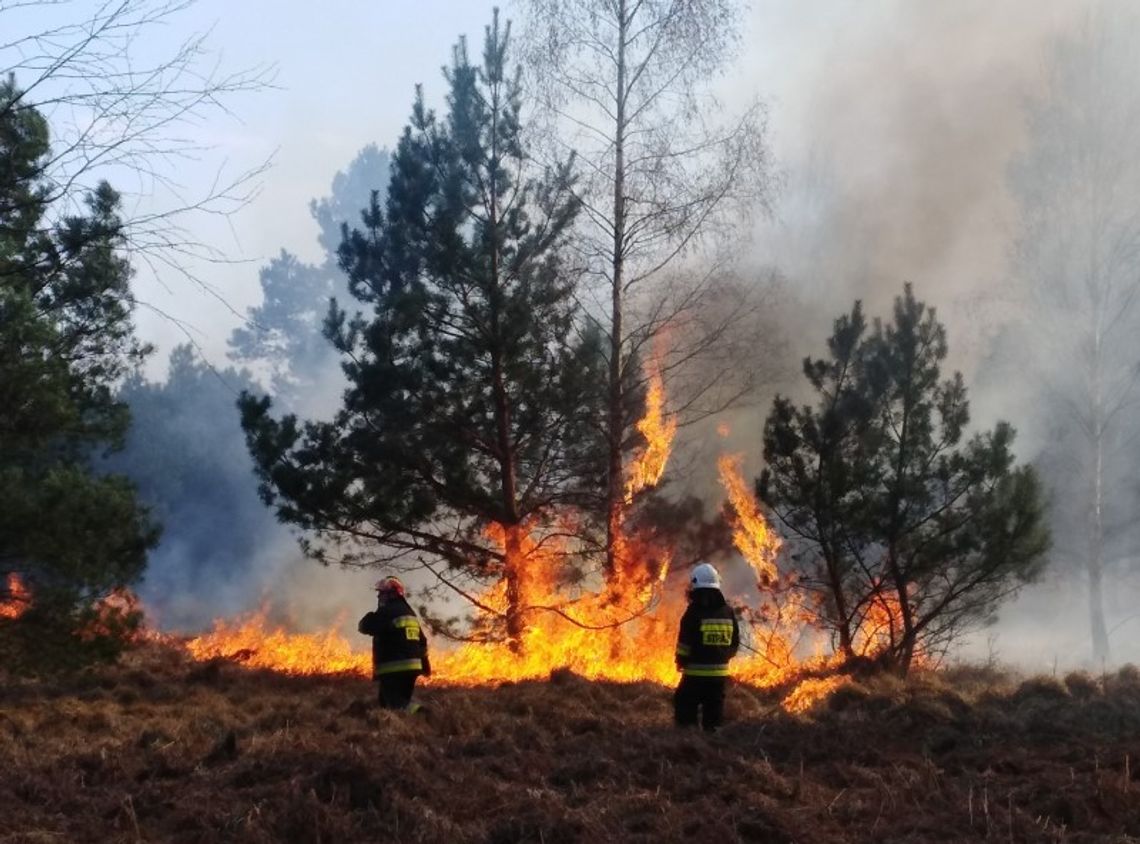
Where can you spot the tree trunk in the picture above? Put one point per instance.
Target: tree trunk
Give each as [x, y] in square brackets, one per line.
[839, 600]
[1099, 630]
[905, 646]
[846, 644]
[512, 542]
[508, 483]
[615, 492]
[1100, 649]
[906, 649]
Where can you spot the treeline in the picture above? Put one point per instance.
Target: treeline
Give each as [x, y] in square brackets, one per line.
[491, 414]
[456, 390]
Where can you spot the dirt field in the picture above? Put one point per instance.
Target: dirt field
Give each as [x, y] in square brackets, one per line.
[162, 749]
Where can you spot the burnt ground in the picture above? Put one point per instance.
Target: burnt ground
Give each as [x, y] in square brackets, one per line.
[162, 749]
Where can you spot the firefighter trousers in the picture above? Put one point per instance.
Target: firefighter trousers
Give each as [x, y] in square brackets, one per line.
[700, 694]
[396, 690]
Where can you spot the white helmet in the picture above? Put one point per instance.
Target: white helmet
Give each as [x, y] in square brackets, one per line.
[705, 576]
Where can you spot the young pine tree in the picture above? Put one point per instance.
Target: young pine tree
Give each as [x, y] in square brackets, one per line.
[904, 523]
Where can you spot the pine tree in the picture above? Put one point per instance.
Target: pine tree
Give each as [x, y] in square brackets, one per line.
[467, 391]
[900, 521]
[284, 333]
[66, 338]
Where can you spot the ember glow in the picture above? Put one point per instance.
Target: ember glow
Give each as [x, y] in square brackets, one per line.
[17, 597]
[621, 628]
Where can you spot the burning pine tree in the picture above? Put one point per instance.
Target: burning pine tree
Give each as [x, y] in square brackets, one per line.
[457, 449]
[472, 442]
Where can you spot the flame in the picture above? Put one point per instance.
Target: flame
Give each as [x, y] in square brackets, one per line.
[757, 543]
[624, 630]
[882, 626]
[613, 633]
[780, 624]
[545, 614]
[257, 644]
[659, 429]
[811, 691]
[18, 599]
[627, 631]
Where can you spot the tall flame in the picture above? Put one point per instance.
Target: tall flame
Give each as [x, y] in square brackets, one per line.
[755, 540]
[659, 429]
[779, 621]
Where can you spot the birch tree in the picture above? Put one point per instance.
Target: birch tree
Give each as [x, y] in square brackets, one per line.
[627, 86]
[1078, 256]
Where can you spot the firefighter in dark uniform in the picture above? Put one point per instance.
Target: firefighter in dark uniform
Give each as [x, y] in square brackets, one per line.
[708, 639]
[399, 647]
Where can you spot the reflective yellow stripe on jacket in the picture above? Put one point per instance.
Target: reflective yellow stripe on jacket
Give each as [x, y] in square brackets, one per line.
[705, 670]
[416, 664]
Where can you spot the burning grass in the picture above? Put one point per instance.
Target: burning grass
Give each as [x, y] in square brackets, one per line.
[164, 748]
[624, 631]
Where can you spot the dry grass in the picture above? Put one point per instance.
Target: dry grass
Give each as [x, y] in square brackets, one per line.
[160, 749]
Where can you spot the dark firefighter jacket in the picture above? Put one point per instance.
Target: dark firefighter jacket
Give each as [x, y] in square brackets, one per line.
[709, 635]
[398, 643]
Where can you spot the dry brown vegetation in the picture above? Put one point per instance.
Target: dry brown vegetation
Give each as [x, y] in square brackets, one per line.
[163, 749]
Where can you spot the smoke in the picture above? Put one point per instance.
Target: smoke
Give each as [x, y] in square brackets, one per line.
[222, 551]
[893, 124]
[899, 127]
[898, 146]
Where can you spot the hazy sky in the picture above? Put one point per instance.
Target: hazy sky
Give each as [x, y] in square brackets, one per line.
[346, 72]
[912, 111]
[345, 76]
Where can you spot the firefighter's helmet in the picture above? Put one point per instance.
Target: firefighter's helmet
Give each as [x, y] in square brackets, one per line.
[390, 587]
[705, 576]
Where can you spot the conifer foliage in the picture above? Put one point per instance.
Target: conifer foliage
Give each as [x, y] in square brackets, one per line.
[468, 387]
[68, 534]
[907, 530]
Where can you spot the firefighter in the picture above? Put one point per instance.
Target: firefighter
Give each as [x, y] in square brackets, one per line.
[399, 647]
[708, 639]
